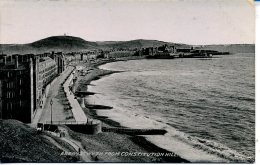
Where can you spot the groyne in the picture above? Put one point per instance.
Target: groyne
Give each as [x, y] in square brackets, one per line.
[130, 131]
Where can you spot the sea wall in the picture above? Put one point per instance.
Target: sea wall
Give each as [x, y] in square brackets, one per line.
[94, 128]
[91, 128]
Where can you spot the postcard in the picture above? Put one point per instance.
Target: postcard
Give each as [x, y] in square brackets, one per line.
[135, 81]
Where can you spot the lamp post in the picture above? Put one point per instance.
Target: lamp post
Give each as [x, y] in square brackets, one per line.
[51, 110]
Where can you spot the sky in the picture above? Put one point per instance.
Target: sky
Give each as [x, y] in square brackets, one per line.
[180, 21]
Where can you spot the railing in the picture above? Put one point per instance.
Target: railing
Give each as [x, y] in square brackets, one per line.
[88, 122]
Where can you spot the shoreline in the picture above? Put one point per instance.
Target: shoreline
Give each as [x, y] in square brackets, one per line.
[97, 73]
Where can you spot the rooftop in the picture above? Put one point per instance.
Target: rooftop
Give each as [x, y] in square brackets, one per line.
[11, 66]
[46, 59]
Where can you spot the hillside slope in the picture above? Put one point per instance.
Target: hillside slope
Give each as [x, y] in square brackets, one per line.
[139, 43]
[20, 143]
[131, 44]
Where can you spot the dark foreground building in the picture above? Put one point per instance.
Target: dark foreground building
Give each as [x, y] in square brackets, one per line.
[16, 89]
[23, 79]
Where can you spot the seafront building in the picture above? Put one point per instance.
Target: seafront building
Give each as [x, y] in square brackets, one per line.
[23, 80]
[16, 88]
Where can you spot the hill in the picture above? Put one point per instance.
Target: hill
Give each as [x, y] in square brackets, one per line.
[139, 43]
[54, 43]
[21, 143]
[67, 42]
[131, 44]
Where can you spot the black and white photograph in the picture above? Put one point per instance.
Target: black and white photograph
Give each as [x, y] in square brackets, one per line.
[135, 81]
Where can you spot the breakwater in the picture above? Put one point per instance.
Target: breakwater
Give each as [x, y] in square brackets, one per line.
[130, 131]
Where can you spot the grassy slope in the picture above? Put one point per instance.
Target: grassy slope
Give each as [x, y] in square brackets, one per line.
[112, 142]
[21, 143]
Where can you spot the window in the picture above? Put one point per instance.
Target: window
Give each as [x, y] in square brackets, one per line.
[20, 92]
[10, 85]
[9, 74]
[8, 95]
[20, 102]
[9, 106]
[20, 82]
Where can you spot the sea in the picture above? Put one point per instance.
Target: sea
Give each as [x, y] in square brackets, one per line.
[207, 106]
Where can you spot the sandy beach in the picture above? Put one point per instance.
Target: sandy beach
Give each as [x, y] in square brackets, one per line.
[122, 147]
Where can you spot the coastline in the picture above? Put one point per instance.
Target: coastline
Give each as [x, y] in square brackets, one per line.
[136, 141]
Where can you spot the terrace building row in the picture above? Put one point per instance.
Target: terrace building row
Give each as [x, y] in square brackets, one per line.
[164, 49]
[23, 80]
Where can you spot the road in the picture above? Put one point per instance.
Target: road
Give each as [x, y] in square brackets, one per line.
[58, 112]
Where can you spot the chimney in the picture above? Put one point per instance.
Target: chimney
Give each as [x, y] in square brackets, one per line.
[16, 62]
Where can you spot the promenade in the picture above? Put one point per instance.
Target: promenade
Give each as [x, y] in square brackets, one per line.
[59, 112]
[77, 111]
